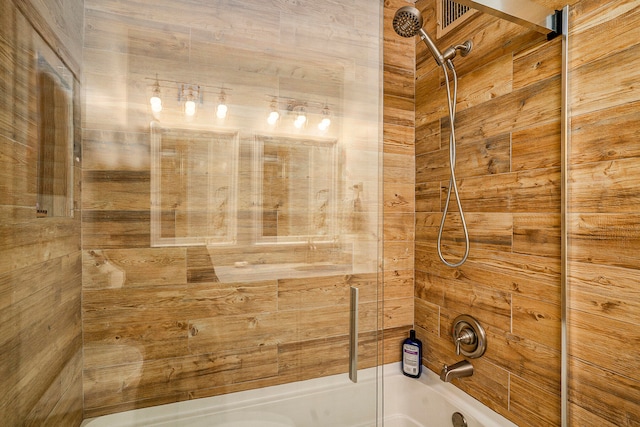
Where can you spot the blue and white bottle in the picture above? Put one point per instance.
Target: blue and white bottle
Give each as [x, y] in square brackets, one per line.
[412, 356]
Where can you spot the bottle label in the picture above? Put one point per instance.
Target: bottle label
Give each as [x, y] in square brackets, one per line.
[410, 358]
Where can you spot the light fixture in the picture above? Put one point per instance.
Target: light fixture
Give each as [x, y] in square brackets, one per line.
[326, 119]
[274, 115]
[190, 95]
[221, 110]
[155, 100]
[301, 117]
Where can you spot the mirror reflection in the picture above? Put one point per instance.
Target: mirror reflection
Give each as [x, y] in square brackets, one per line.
[296, 188]
[55, 139]
[193, 187]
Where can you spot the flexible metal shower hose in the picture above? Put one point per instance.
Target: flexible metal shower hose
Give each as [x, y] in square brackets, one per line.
[452, 166]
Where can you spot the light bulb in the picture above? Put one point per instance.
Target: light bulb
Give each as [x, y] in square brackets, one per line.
[273, 118]
[301, 118]
[300, 121]
[326, 119]
[190, 108]
[191, 96]
[221, 111]
[155, 100]
[156, 103]
[324, 124]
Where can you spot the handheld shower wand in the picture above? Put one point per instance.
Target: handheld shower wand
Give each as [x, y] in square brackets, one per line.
[407, 22]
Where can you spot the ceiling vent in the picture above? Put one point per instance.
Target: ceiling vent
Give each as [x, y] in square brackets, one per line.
[450, 15]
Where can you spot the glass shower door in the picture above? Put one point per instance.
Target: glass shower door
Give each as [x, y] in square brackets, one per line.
[261, 220]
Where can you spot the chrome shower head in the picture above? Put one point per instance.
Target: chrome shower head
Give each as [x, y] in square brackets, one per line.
[407, 21]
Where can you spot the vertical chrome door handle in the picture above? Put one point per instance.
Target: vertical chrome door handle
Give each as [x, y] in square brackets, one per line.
[353, 336]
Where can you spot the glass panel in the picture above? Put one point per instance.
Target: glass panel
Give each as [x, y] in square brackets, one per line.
[233, 189]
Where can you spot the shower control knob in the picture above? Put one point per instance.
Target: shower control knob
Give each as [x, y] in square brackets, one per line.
[469, 336]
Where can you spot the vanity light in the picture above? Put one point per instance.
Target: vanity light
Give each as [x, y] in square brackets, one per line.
[221, 110]
[155, 100]
[326, 119]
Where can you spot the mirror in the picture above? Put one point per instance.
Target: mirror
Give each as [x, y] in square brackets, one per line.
[193, 186]
[55, 139]
[296, 189]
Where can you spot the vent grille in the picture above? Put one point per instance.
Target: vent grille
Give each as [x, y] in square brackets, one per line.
[452, 11]
[451, 15]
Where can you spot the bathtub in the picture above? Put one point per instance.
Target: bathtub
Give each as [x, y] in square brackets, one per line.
[324, 402]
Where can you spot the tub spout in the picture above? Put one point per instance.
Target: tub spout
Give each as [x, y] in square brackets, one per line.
[457, 370]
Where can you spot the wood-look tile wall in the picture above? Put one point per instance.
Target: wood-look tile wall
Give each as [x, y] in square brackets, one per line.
[40, 258]
[604, 245]
[508, 173]
[160, 324]
[508, 159]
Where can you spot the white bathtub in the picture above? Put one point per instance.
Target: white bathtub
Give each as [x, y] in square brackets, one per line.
[325, 402]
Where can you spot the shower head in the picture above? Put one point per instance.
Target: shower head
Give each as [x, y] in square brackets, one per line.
[407, 22]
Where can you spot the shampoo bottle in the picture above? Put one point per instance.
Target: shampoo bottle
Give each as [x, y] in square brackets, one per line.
[412, 356]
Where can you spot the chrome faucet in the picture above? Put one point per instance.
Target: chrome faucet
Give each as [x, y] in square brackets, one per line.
[457, 370]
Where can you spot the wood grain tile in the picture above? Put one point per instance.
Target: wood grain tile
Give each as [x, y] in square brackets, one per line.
[133, 267]
[514, 192]
[116, 229]
[595, 23]
[535, 408]
[610, 92]
[533, 362]
[428, 197]
[109, 343]
[536, 147]
[398, 283]
[398, 139]
[489, 81]
[604, 395]
[538, 319]
[607, 238]
[537, 234]
[137, 381]
[593, 337]
[116, 190]
[604, 290]
[537, 63]
[534, 104]
[598, 186]
[487, 157]
[605, 135]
